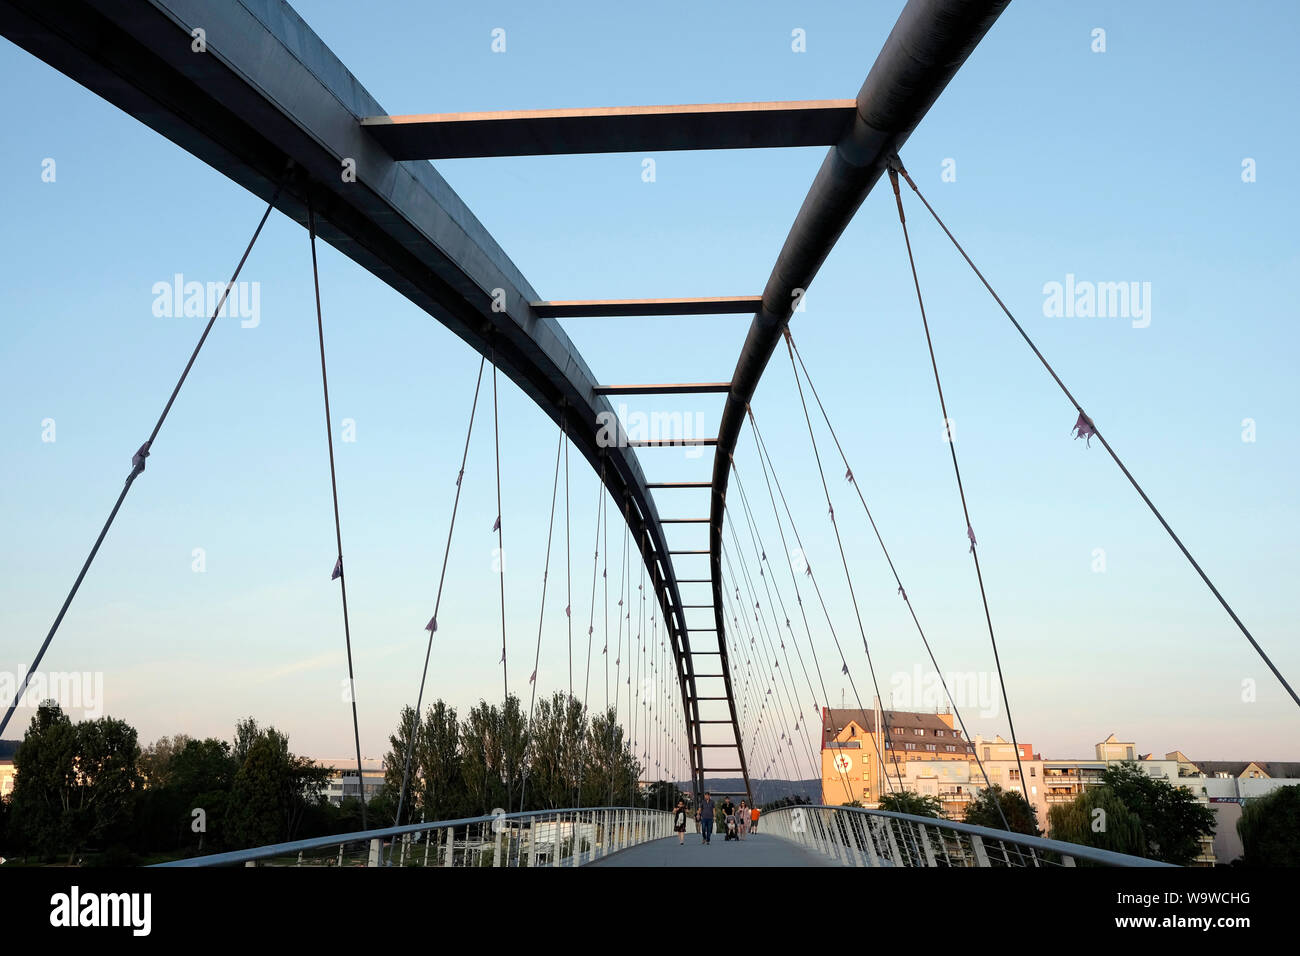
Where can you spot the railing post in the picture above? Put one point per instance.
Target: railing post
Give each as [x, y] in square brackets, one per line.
[496, 852]
[577, 838]
[558, 846]
[428, 838]
[375, 845]
[851, 822]
[869, 840]
[450, 858]
[893, 842]
[532, 842]
[340, 854]
[981, 855]
[925, 846]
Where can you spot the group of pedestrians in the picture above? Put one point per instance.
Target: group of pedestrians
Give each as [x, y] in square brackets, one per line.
[736, 822]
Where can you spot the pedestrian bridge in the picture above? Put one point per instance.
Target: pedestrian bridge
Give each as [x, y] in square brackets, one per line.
[636, 837]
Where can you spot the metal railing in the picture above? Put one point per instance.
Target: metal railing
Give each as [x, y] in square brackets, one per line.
[853, 836]
[533, 838]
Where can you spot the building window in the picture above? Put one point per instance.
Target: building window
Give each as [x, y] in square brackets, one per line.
[938, 733]
[909, 746]
[951, 749]
[1033, 771]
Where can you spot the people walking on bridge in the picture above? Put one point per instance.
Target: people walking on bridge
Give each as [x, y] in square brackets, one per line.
[742, 819]
[753, 819]
[706, 817]
[679, 822]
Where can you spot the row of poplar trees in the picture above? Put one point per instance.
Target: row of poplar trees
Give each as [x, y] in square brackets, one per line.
[495, 757]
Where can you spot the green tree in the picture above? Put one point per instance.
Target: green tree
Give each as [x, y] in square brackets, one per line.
[403, 746]
[271, 790]
[556, 737]
[906, 801]
[76, 784]
[436, 789]
[481, 759]
[45, 764]
[1173, 821]
[611, 773]
[661, 795]
[1270, 829]
[442, 789]
[1114, 828]
[155, 760]
[201, 776]
[1021, 817]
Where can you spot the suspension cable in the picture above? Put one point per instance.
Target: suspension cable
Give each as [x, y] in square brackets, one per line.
[432, 626]
[338, 529]
[137, 466]
[762, 548]
[501, 564]
[1091, 428]
[952, 448]
[848, 471]
[839, 541]
[541, 613]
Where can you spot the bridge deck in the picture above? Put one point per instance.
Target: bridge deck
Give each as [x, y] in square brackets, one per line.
[757, 849]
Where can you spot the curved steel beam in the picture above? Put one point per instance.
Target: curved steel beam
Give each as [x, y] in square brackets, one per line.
[928, 44]
[264, 94]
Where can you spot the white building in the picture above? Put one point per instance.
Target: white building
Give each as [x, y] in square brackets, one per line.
[343, 783]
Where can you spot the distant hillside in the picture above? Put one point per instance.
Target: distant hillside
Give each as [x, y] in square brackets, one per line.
[8, 748]
[764, 790]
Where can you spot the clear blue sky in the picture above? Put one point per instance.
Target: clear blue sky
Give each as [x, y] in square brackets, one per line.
[1116, 166]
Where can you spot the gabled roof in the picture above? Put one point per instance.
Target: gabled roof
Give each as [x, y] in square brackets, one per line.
[1280, 769]
[899, 726]
[1233, 768]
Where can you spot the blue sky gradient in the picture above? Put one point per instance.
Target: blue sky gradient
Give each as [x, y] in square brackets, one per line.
[1116, 166]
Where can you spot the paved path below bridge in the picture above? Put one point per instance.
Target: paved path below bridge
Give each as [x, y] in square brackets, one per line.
[755, 850]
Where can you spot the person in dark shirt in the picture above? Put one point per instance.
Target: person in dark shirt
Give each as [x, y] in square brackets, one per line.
[706, 817]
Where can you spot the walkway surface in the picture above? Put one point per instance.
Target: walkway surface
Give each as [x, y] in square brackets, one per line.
[757, 849]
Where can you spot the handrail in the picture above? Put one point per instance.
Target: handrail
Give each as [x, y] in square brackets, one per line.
[366, 836]
[775, 822]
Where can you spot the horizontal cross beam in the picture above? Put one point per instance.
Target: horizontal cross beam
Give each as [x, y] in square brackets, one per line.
[670, 442]
[665, 388]
[613, 308]
[618, 129]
